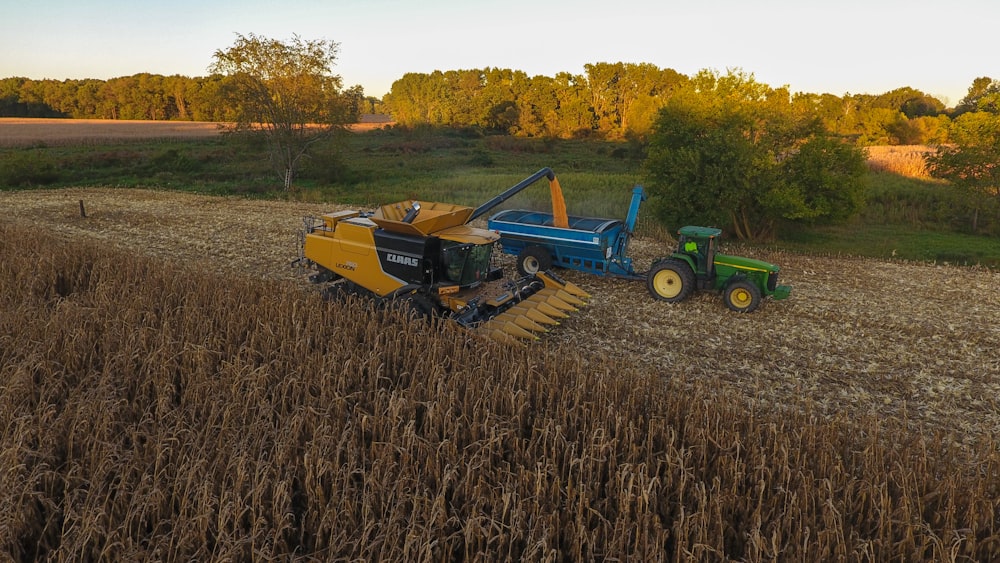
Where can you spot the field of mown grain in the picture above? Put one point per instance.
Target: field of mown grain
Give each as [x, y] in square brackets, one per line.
[17, 131]
[174, 390]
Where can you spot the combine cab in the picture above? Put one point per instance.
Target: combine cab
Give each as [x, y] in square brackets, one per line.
[427, 259]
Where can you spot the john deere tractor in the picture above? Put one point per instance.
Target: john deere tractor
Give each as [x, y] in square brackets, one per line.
[744, 282]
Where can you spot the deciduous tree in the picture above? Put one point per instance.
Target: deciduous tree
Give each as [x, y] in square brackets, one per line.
[983, 95]
[286, 91]
[972, 164]
[730, 151]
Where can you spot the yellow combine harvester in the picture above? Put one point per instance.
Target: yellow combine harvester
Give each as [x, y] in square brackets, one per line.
[424, 257]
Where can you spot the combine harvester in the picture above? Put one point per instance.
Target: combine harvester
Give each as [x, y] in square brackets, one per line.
[425, 258]
[542, 240]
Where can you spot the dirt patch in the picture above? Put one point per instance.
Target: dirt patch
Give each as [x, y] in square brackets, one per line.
[912, 343]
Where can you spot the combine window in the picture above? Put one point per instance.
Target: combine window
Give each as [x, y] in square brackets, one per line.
[466, 264]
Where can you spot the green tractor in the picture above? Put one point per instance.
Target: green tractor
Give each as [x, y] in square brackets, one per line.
[744, 282]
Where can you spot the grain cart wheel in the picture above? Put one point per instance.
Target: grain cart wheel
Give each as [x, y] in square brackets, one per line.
[742, 296]
[670, 280]
[533, 259]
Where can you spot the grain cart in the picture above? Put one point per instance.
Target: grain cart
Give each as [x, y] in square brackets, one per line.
[424, 258]
[589, 244]
[600, 246]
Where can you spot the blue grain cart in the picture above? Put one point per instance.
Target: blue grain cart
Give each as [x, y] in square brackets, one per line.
[589, 244]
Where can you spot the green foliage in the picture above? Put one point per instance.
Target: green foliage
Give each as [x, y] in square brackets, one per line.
[286, 92]
[975, 128]
[901, 116]
[610, 101]
[140, 96]
[26, 168]
[927, 130]
[734, 152]
[614, 99]
[222, 165]
[173, 160]
[896, 241]
[879, 126]
[983, 96]
[825, 181]
[973, 168]
[911, 202]
[912, 103]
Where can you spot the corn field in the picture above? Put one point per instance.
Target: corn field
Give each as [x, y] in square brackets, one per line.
[153, 409]
[904, 160]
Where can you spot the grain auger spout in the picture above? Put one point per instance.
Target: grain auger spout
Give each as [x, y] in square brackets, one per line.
[423, 257]
[559, 215]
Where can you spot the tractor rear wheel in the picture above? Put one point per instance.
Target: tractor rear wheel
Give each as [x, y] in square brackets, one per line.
[670, 280]
[533, 259]
[742, 296]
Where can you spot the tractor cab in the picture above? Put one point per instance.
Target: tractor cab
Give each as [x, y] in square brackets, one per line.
[699, 244]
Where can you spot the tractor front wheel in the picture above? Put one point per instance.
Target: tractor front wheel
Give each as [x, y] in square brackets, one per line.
[742, 296]
[670, 280]
[533, 259]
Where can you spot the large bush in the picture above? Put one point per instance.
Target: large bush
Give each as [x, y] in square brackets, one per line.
[735, 153]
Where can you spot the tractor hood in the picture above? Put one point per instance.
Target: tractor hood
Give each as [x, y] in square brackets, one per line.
[742, 263]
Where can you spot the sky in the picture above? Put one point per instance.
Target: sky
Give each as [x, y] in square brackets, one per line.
[817, 46]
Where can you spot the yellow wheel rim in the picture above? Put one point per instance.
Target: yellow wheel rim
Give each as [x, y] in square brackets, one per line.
[667, 283]
[740, 297]
[531, 265]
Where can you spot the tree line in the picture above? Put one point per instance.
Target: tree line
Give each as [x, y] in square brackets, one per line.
[610, 100]
[141, 96]
[620, 100]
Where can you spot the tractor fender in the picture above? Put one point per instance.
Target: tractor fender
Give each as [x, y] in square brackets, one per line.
[679, 256]
[753, 279]
[675, 256]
